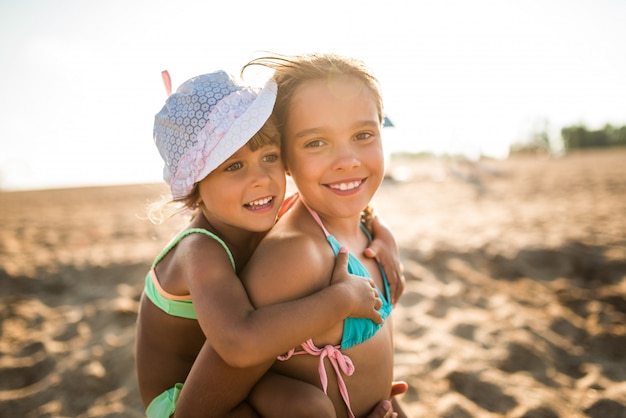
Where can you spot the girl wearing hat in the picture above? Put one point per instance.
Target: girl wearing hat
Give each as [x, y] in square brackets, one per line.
[222, 160]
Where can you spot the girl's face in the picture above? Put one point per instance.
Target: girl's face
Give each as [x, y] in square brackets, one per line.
[333, 146]
[246, 190]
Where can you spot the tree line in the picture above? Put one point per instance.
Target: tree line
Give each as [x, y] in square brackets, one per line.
[574, 137]
[579, 137]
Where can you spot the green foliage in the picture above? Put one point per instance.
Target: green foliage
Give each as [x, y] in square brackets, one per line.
[579, 137]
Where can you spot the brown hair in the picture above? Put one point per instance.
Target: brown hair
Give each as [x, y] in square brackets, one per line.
[290, 72]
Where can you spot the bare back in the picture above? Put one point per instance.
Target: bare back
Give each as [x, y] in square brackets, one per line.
[170, 342]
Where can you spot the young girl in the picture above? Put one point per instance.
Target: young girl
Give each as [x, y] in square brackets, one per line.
[222, 159]
[329, 110]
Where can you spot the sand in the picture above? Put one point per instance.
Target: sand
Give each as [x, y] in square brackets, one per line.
[515, 304]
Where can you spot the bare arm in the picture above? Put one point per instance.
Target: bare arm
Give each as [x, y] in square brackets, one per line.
[284, 269]
[213, 388]
[244, 336]
[242, 343]
[384, 249]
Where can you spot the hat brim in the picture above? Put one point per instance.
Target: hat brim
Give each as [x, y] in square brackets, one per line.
[242, 129]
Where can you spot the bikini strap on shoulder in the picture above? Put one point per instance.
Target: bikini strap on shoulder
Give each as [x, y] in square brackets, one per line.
[190, 231]
[317, 218]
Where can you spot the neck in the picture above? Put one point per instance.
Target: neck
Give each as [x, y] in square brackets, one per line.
[346, 227]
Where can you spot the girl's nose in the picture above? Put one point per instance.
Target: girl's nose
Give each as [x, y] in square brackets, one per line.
[259, 174]
[346, 157]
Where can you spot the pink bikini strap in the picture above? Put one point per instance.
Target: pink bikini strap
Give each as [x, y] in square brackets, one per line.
[340, 362]
[291, 200]
[316, 217]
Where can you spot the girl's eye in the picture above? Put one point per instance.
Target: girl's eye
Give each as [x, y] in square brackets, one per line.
[363, 135]
[234, 166]
[316, 143]
[270, 158]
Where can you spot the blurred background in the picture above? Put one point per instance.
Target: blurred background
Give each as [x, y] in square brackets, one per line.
[512, 239]
[81, 79]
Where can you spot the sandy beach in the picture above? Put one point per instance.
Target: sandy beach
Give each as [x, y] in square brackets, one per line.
[515, 304]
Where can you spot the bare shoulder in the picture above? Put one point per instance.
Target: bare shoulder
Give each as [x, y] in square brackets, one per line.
[199, 265]
[203, 258]
[290, 262]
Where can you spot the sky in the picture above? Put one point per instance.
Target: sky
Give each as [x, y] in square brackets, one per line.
[80, 79]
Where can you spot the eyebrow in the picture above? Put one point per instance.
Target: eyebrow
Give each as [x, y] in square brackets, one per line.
[308, 132]
[316, 130]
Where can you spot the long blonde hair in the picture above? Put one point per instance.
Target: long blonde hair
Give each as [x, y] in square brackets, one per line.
[292, 71]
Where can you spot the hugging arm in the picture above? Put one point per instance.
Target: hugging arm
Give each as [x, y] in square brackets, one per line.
[242, 342]
[244, 336]
[384, 249]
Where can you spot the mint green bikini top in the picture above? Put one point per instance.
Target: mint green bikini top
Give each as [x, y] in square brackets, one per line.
[174, 305]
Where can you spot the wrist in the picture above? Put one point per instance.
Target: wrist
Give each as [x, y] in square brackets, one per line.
[342, 297]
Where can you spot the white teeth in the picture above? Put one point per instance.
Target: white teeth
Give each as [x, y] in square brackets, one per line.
[260, 202]
[346, 186]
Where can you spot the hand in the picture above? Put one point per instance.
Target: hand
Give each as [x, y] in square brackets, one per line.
[384, 249]
[387, 409]
[360, 291]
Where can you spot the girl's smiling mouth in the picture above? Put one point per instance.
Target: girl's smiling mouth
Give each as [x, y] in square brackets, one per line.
[346, 185]
[260, 203]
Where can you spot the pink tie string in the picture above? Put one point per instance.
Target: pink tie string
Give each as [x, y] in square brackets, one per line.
[340, 362]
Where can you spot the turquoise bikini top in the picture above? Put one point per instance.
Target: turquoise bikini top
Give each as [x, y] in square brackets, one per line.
[358, 330]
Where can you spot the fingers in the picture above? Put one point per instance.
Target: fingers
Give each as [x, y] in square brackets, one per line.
[374, 314]
[394, 282]
[397, 281]
[382, 410]
[370, 252]
[392, 267]
[398, 388]
[397, 288]
[378, 303]
[341, 262]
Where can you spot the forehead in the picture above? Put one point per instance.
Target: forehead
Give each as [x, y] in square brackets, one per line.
[322, 101]
[248, 149]
[341, 87]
